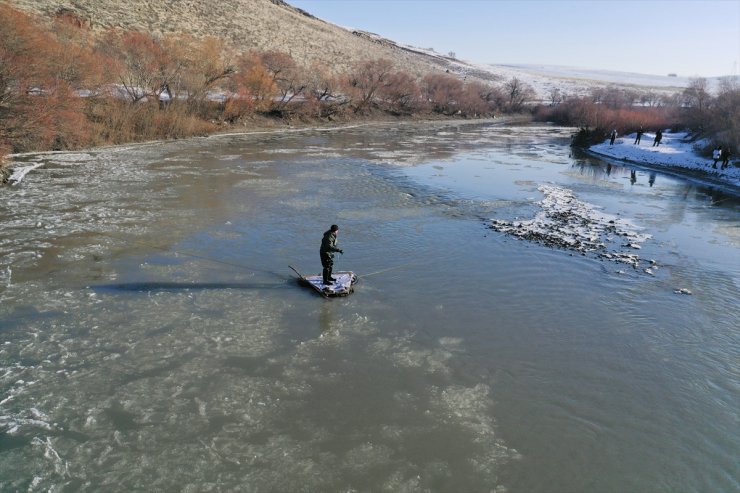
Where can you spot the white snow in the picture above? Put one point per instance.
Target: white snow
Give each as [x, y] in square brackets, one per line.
[560, 72]
[675, 151]
[19, 173]
[566, 222]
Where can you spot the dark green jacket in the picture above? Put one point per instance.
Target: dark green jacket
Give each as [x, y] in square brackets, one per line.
[329, 245]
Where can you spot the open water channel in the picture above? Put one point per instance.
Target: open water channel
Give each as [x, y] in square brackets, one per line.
[153, 337]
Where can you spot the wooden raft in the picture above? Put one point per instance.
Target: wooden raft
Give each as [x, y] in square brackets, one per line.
[343, 286]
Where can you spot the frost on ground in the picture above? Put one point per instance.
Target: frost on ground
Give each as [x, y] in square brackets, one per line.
[568, 223]
[675, 151]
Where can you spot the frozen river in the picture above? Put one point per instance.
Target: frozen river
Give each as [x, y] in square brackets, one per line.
[154, 338]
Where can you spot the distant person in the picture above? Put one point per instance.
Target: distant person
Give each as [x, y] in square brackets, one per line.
[328, 247]
[716, 155]
[658, 138]
[638, 137]
[725, 155]
[612, 137]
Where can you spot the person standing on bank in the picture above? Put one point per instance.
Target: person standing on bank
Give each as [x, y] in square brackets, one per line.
[658, 138]
[716, 155]
[612, 137]
[638, 136]
[328, 248]
[725, 156]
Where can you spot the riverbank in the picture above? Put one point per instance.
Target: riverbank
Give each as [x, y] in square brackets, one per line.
[12, 173]
[4, 173]
[675, 152]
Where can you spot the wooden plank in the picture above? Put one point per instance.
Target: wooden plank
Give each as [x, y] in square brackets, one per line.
[343, 287]
[306, 281]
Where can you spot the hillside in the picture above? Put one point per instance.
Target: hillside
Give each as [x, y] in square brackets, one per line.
[245, 24]
[276, 25]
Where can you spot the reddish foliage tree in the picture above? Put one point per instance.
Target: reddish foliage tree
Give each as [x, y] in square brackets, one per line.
[238, 106]
[443, 92]
[198, 66]
[492, 96]
[286, 76]
[401, 92]
[253, 80]
[322, 92]
[366, 79]
[584, 113]
[38, 108]
[144, 65]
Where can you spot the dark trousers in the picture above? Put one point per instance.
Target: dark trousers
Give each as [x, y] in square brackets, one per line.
[328, 264]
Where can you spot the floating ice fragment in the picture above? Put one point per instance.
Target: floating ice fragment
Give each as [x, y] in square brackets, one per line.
[682, 291]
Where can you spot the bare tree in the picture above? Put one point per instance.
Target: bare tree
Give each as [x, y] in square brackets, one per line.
[401, 92]
[322, 91]
[143, 63]
[490, 96]
[555, 96]
[696, 95]
[725, 114]
[518, 93]
[442, 91]
[366, 78]
[288, 77]
[198, 66]
[649, 98]
[597, 94]
[615, 97]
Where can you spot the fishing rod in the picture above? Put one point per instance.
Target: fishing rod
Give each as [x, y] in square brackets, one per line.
[386, 270]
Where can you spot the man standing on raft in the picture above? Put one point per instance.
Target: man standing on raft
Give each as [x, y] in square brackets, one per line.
[328, 247]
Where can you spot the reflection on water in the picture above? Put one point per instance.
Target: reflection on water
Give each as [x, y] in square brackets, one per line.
[155, 339]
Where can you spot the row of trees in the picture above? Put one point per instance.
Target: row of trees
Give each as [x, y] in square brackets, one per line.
[715, 116]
[61, 87]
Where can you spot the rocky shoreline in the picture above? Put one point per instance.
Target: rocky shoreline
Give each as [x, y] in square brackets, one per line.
[5, 173]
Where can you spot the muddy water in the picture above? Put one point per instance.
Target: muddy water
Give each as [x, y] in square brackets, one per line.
[153, 337]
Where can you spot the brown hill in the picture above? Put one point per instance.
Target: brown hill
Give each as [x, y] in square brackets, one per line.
[248, 24]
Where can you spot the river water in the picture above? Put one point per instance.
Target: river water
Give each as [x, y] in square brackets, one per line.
[154, 338]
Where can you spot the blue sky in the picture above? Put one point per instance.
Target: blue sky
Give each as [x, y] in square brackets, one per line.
[686, 37]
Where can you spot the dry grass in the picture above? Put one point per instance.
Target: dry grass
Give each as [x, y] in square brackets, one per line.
[119, 122]
[245, 24]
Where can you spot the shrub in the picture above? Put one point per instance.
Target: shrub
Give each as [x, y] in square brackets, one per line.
[120, 122]
[596, 120]
[442, 91]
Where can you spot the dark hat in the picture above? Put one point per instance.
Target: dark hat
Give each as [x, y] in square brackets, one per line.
[334, 227]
